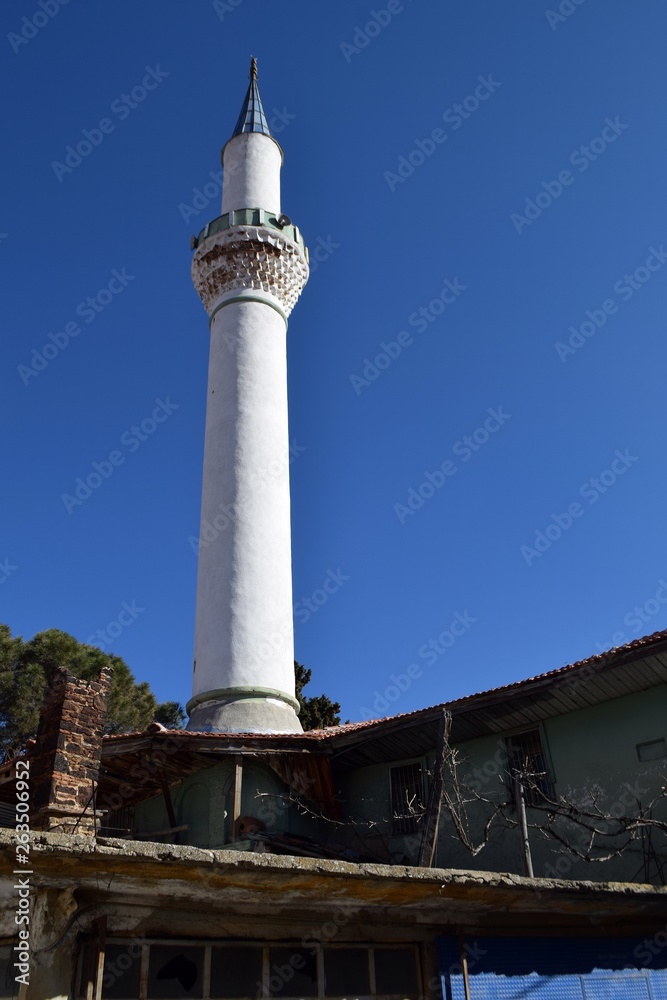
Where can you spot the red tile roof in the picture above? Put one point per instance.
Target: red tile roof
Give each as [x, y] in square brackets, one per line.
[318, 735]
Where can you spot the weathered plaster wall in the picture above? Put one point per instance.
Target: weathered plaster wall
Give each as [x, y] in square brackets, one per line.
[367, 811]
[598, 746]
[593, 750]
[204, 802]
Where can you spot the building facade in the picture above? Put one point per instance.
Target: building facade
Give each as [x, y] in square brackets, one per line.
[321, 864]
[510, 844]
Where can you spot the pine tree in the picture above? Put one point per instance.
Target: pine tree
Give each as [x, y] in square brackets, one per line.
[317, 712]
[26, 668]
[170, 714]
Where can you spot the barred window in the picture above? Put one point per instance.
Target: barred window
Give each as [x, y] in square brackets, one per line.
[118, 823]
[407, 797]
[527, 760]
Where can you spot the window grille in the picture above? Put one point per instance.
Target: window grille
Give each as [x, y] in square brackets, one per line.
[407, 798]
[527, 760]
[118, 823]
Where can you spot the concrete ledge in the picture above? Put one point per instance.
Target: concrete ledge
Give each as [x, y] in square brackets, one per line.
[69, 846]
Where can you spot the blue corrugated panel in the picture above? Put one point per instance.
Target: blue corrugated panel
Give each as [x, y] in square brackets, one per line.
[620, 986]
[487, 986]
[658, 981]
[553, 969]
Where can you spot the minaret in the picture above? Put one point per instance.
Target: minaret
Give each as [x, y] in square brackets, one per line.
[250, 265]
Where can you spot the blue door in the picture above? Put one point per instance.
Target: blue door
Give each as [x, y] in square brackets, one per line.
[555, 969]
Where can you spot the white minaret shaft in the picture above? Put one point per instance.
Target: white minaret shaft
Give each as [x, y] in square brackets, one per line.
[249, 268]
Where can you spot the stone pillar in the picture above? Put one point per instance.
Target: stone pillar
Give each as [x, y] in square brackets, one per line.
[65, 760]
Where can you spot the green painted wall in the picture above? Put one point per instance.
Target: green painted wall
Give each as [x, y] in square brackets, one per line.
[366, 806]
[590, 751]
[203, 801]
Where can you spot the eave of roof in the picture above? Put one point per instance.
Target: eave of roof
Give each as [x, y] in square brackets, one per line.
[582, 677]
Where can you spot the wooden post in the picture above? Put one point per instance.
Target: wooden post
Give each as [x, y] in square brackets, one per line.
[238, 787]
[101, 948]
[520, 799]
[171, 815]
[429, 842]
[463, 958]
[92, 962]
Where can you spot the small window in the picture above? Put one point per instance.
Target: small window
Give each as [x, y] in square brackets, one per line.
[407, 798]
[396, 972]
[292, 972]
[653, 750]
[175, 973]
[120, 980]
[236, 971]
[526, 759]
[346, 972]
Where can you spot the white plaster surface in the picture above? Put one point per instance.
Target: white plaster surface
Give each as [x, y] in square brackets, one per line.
[251, 173]
[243, 632]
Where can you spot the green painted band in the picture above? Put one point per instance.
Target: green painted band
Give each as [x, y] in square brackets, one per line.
[247, 298]
[238, 693]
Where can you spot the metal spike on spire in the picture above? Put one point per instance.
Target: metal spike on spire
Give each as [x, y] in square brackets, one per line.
[252, 117]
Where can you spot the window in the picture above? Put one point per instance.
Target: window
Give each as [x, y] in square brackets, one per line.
[407, 797]
[346, 972]
[175, 973]
[292, 972]
[526, 759]
[243, 970]
[118, 823]
[236, 971]
[653, 750]
[122, 963]
[395, 971]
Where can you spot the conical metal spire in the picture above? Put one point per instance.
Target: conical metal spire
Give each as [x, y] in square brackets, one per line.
[252, 117]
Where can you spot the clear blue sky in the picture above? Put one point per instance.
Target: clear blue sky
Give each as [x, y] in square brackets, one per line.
[401, 191]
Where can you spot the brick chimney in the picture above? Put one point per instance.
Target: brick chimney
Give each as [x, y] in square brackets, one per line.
[65, 760]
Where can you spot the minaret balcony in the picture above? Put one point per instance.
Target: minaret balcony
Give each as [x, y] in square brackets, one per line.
[252, 217]
[252, 254]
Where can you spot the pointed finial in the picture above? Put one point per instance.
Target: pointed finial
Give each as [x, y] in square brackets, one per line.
[252, 117]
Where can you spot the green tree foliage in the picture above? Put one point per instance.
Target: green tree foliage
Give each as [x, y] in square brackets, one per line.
[318, 712]
[170, 714]
[26, 668]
